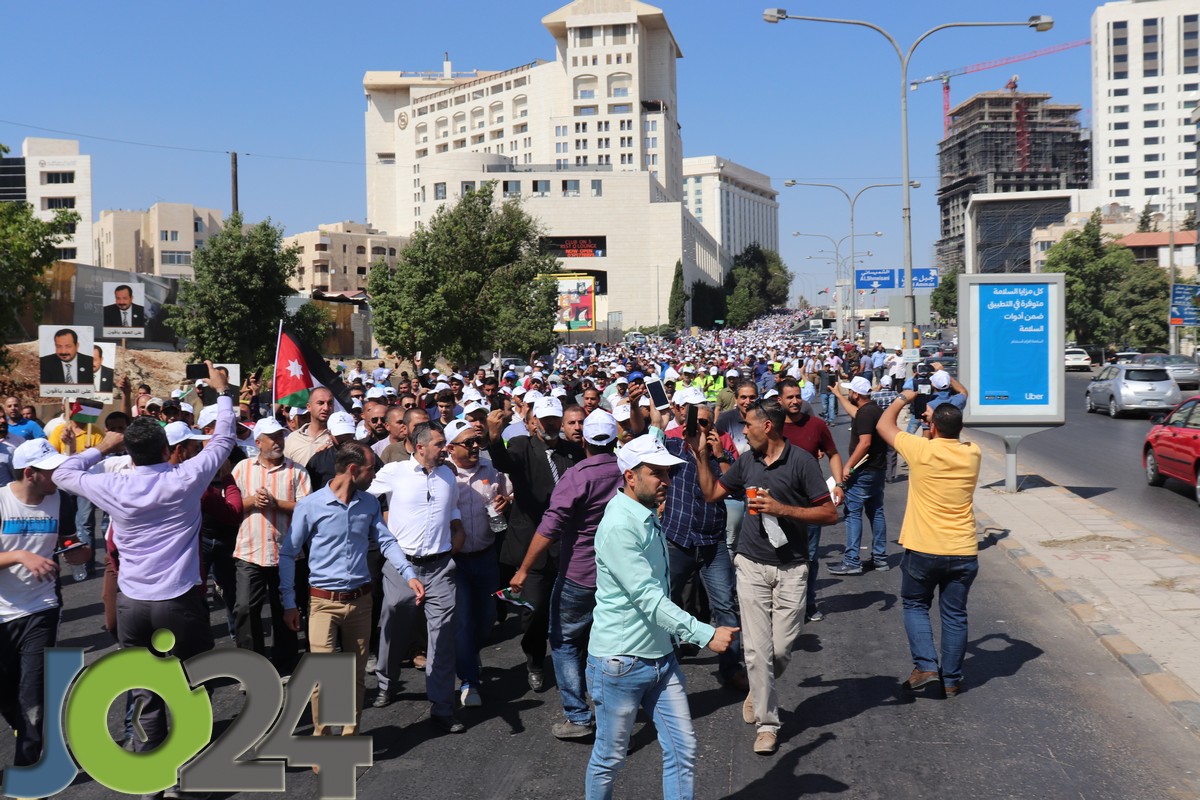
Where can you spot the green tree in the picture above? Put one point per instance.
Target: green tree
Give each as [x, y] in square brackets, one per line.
[1146, 221]
[231, 310]
[677, 305]
[468, 283]
[1094, 271]
[944, 299]
[708, 304]
[779, 280]
[312, 324]
[28, 246]
[1189, 222]
[1140, 303]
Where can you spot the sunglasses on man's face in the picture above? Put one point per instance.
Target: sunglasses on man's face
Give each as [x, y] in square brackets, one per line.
[374, 419]
[469, 444]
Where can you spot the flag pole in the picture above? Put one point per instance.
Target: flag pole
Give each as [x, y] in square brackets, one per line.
[275, 366]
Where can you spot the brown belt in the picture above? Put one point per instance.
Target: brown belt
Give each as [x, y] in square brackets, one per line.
[339, 597]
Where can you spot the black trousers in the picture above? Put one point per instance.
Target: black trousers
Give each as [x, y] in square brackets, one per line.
[187, 617]
[22, 673]
[258, 586]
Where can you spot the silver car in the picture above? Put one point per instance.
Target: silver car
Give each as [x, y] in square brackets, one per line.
[1183, 370]
[1122, 388]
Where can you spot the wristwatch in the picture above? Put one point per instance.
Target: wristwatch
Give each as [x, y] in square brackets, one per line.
[840, 484]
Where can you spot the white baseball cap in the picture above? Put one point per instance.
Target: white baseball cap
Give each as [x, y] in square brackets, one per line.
[267, 426]
[375, 392]
[37, 453]
[733, 373]
[207, 417]
[621, 381]
[473, 407]
[341, 424]
[297, 411]
[558, 391]
[187, 408]
[533, 395]
[712, 370]
[176, 394]
[621, 412]
[860, 385]
[940, 379]
[457, 428]
[547, 407]
[600, 428]
[692, 395]
[645, 449]
[178, 432]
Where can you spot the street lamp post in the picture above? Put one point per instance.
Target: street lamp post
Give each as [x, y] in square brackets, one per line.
[851, 200]
[1039, 23]
[837, 246]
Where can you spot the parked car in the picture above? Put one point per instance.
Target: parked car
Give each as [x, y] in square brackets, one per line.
[1126, 356]
[1172, 447]
[1123, 388]
[1183, 370]
[1078, 358]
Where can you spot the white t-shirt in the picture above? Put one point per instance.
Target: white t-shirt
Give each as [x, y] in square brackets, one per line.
[32, 528]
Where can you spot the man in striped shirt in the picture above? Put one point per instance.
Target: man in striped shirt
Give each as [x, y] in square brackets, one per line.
[270, 485]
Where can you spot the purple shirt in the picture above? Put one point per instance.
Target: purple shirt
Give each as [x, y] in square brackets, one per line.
[155, 512]
[576, 508]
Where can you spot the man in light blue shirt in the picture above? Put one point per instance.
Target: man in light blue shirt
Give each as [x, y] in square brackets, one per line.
[631, 661]
[339, 523]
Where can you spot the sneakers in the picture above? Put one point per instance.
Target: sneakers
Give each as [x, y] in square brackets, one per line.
[919, 679]
[814, 615]
[571, 730]
[384, 699]
[845, 569]
[470, 697]
[448, 723]
[748, 711]
[765, 743]
[880, 565]
[537, 680]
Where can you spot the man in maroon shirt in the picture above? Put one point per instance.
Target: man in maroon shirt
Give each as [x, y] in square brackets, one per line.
[810, 433]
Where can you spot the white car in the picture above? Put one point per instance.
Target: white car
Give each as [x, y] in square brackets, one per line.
[1077, 358]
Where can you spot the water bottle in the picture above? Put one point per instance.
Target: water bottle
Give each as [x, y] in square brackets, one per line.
[496, 520]
[79, 571]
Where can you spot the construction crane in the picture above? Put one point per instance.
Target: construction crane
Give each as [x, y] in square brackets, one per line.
[945, 77]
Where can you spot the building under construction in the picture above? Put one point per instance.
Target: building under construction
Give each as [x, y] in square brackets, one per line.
[1002, 142]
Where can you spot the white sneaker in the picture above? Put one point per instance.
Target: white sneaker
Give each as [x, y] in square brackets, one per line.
[470, 697]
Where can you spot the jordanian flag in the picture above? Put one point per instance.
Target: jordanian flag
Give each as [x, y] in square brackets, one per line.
[299, 369]
[85, 411]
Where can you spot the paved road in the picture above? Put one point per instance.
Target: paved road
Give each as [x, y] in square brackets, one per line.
[1047, 714]
[1100, 459]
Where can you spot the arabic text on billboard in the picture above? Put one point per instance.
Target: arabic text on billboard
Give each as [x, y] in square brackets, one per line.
[1014, 353]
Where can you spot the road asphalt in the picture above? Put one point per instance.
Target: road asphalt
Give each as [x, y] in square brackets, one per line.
[1047, 712]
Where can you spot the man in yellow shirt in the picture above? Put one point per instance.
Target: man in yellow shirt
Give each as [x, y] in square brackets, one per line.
[939, 540]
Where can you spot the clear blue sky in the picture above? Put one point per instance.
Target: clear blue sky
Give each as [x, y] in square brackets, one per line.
[801, 100]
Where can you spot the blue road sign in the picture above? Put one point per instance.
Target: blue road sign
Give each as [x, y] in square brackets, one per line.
[874, 279]
[923, 278]
[1184, 308]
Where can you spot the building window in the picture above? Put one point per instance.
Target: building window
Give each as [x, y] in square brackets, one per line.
[360, 250]
[321, 247]
[1152, 173]
[1119, 126]
[570, 188]
[583, 36]
[597, 188]
[177, 258]
[1120, 143]
[378, 251]
[511, 188]
[67, 253]
[620, 34]
[51, 203]
[541, 188]
[439, 191]
[58, 177]
[1120, 176]
[197, 225]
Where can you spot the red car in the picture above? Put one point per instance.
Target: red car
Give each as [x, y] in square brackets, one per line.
[1172, 447]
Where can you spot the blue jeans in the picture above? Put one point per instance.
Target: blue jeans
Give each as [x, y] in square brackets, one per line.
[217, 555]
[952, 576]
[735, 512]
[571, 607]
[864, 495]
[829, 404]
[619, 686]
[716, 572]
[474, 611]
[814, 543]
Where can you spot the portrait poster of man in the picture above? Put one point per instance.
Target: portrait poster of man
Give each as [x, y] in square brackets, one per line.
[124, 310]
[65, 360]
[104, 363]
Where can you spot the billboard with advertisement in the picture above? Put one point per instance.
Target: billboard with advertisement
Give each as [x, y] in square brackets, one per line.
[575, 246]
[1011, 348]
[576, 303]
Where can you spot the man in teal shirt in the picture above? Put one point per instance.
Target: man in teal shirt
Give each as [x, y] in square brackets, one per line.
[631, 661]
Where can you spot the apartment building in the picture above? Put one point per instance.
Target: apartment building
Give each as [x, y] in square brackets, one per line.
[337, 258]
[734, 203]
[52, 174]
[1145, 87]
[158, 241]
[589, 142]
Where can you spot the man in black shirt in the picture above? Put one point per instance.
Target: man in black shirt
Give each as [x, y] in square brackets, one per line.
[863, 475]
[771, 560]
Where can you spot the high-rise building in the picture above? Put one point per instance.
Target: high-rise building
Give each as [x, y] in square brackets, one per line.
[734, 203]
[51, 174]
[589, 142]
[159, 241]
[1001, 143]
[337, 258]
[1145, 84]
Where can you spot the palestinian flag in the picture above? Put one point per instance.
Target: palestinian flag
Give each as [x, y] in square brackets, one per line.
[299, 369]
[85, 411]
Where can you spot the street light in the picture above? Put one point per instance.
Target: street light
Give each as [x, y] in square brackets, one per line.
[837, 245]
[851, 200]
[1040, 23]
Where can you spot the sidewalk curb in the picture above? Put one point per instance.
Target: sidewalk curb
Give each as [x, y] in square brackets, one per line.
[1161, 683]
